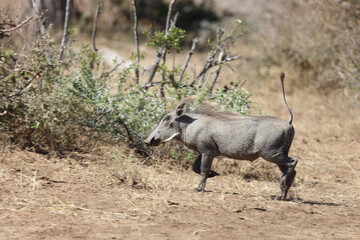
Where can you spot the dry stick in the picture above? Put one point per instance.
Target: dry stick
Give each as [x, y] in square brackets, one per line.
[168, 18]
[217, 73]
[6, 32]
[93, 35]
[26, 85]
[167, 29]
[203, 82]
[137, 70]
[37, 11]
[242, 83]
[211, 63]
[16, 27]
[153, 69]
[194, 41]
[210, 60]
[66, 28]
[106, 74]
[21, 35]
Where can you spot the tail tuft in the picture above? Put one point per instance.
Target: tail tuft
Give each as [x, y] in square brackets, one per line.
[282, 76]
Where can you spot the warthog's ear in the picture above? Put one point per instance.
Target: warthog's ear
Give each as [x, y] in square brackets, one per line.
[180, 109]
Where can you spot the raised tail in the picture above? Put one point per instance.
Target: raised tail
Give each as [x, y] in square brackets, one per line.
[282, 77]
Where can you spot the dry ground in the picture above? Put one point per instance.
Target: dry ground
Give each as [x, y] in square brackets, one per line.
[93, 197]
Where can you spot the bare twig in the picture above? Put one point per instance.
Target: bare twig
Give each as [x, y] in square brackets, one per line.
[39, 24]
[93, 35]
[242, 83]
[162, 91]
[203, 82]
[21, 35]
[27, 85]
[5, 31]
[211, 63]
[127, 130]
[66, 28]
[194, 41]
[167, 27]
[137, 69]
[37, 10]
[153, 84]
[106, 74]
[153, 68]
[217, 73]
[223, 53]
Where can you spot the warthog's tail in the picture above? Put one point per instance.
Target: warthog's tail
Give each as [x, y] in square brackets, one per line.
[282, 77]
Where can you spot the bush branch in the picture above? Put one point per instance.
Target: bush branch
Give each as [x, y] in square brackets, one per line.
[93, 35]
[3, 31]
[194, 41]
[136, 35]
[66, 28]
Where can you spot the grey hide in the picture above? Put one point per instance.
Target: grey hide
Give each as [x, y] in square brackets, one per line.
[234, 136]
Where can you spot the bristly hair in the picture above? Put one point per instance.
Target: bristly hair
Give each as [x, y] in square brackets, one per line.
[193, 105]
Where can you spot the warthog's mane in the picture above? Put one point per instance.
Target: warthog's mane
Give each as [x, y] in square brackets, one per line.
[206, 108]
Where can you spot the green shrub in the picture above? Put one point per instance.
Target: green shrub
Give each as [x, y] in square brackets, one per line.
[55, 106]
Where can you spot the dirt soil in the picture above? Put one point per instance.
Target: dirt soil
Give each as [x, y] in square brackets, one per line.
[87, 196]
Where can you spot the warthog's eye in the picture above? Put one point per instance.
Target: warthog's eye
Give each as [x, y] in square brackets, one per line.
[167, 118]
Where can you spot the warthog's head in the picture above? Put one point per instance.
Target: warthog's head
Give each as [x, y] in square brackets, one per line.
[168, 127]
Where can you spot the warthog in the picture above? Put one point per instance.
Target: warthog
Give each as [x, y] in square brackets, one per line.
[212, 133]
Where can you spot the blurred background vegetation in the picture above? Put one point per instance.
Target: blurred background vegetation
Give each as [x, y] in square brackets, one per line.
[54, 105]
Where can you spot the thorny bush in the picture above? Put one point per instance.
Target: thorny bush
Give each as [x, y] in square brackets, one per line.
[54, 106]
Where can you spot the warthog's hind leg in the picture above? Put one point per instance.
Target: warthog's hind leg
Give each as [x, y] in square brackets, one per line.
[287, 167]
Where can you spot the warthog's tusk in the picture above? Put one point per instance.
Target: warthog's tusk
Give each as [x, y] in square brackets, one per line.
[172, 136]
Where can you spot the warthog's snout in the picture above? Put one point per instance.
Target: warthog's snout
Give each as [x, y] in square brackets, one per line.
[152, 141]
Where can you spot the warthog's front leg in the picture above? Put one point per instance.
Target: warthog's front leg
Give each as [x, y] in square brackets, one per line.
[206, 161]
[197, 166]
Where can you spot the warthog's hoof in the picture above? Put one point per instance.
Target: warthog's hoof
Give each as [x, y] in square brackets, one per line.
[279, 197]
[201, 190]
[212, 173]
